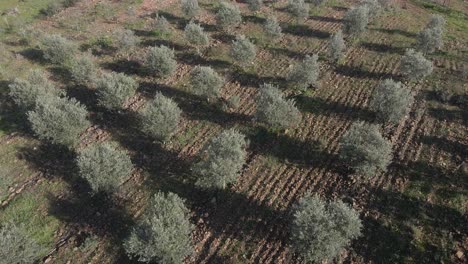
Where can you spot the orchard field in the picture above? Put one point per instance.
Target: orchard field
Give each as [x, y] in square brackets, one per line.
[412, 211]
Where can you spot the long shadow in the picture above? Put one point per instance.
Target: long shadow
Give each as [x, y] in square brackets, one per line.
[446, 145]
[450, 115]
[253, 19]
[224, 37]
[395, 31]
[158, 42]
[180, 22]
[125, 66]
[326, 19]
[305, 31]
[385, 48]
[195, 60]
[287, 52]
[34, 55]
[354, 72]
[252, 79]
[319, 106]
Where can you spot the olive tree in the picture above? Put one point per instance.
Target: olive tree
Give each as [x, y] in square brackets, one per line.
[272, 28]
[25, 92]
[305, 73]
[206, 82]
[242, 50]
[195, 35]
[275, 110]
[298, 9]
[161, 25]
[374, 7]
[163, 233]
[221, 160]
[391, 101]
[126, 40]
[104, 166]
[190, 8]
[320, 230]
[356, 20]
[431, 38]
[336, 46]
[364, 149]
[228, 16]
[113, 89]
[83, 70]
[160, 117]
[16, 246]
[414, 66]
[254, 5]
[161, 61]
[57, 49]
[58, 120]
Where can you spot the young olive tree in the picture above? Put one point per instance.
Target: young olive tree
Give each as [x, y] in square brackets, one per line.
[336, 46]
[272, 28]
[228, 16]
[431, 38]
[104, 166]
[298, 9]
[306, 73]
[356, 20]
[364, 149]
[391, 101]
[58, 120]
[190, 8]
[16, 246]
[126, 40]
[160, 117]
[25, 92]
[254, 5]
[57, 49]
[222, 159]
[414, 66]
[242, 50]
[161, 61]
[437, 21]
[83, 70]
[195, 35]
[206, 82]
[320, 230]
[163, 234]
[374, 7]
[113, 89]
[161, 25]
[275, 110]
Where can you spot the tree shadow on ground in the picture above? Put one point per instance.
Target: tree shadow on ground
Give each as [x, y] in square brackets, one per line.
[354, 72]
[287, 52]
[305, 31]
[253, 19]
[129, 67]
[396, 31]
[158, 42]
[386, 48]
[447, 145]
[326, 19]
[179, 22]
[224, 37]
[34, 55]
[452, 115]
[195, 60]
[254, 80]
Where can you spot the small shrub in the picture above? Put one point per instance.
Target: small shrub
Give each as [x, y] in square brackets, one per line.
[58, 120]
[163, 234]
[113, 89]
[320, 230]
[414, 66]
[206, 82]
[374, 7]
[356, 20]
[272, 28]
[16, 246]
[126, 40]
[83, 70]
[195, 35]
[242, 50]
[336, 46]
[391, 101]
[431, 38]
[222, 159]
[104, 166]
[298, 9]
[160, 61]
[25, 93]
[161, 25]
[57, 49]
[190, 8]
[51, 9]
[275, 110]
[160, 117]
[437, 21]
[364, 149]
[228, 16]
[255, 5]
[305, 73]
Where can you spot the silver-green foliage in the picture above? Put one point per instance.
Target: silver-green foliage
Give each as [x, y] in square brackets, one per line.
[374, 7]
[113, 89]
[298, 9]
[57, 49]
[160, 117]
[255, 5]
[58, 120]
[161, 61]
[83, 70]
[161, 25]
[126, 39]
[242, 50]
[16, 246]
[25, 92]
[222, 159]
[414, 66]
[272, 28]
[431, 38]
[391, 101]
[364, 149]
[195, 35]
[206, 82]
[336, 46]
[275, 110]
[228, 16]
[305, 73]
[320, 230]
[356, 20]
[190, 8]
[104, 166]
[163, 234]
